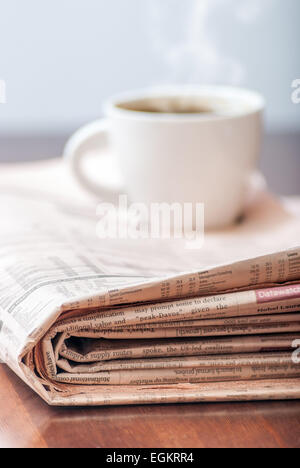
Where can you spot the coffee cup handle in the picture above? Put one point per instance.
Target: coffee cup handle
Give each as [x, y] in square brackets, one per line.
[91, 137]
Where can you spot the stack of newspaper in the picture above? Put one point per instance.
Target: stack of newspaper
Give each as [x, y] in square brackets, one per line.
[86, 321]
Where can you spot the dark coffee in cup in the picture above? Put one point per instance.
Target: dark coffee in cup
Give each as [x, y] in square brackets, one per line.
[189, 104]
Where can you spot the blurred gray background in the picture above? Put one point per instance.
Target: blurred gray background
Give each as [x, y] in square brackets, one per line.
[61, 59]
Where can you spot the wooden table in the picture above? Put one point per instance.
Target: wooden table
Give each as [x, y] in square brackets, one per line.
[26, 421]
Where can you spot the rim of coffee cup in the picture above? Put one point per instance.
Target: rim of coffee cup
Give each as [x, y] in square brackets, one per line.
[252, 99]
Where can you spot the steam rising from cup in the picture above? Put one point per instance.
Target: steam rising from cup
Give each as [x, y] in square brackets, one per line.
[195, 56]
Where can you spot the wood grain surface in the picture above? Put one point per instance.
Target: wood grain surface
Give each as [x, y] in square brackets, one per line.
[26, 421]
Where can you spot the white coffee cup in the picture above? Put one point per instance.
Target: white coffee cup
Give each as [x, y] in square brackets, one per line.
[183, 144]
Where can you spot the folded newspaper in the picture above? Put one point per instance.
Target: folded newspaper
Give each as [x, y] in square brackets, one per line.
[85, 321]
